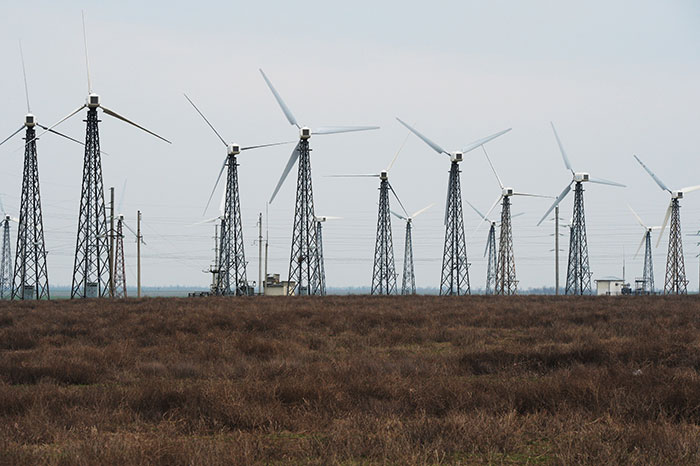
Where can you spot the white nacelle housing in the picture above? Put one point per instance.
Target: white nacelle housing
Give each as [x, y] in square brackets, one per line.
[507, 192]
[234, 149]
[305, 133]
[384, 175]
[677, 194]
[457, 157]
[580, 177]
[29, 120]
[93, 100]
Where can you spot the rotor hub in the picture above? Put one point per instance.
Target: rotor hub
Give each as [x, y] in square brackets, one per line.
[305, 132]
[93, 100]
[457, 157]
[677, 195]
[384, 175]
[234, 149]
[581, 177]
[507, 192]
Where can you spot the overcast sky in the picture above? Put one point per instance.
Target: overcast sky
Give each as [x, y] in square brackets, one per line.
[617, 78]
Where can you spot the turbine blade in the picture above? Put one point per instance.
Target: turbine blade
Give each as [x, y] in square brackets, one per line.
[266, 145]
[492, 168]
[24, 73]
[342, 129]
[556, 202]
[561, 149]
[482, 141]
[218, 178]
[60, 134]
[488, 243]
[11, 135]
[368, 175]
[532, 195]
[116, 115]
[663, 226]
[476, 210]
[653, 175]
[644, 237]
[121, 196]
[398, 152]
[398, 215]
[487, 214]
[292, 160]
[637, 217]
[397, 198]
[278, 98]
[57, 123]
[447, 199]
[130, 229]
[434, 146]
[417, 213]
[607, 182]
[222, 204]
[517, 215]
[690, 189]
[205, 119]
[87, 60]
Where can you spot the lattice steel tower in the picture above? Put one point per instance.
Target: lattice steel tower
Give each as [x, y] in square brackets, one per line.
[454, 278]
[648, 275]
[319, 249]
[506, 282]
[384, 272]
[119, 269]
[6, 260]
[31, 279]
[675, 282]
[304, 268]
[408, 282]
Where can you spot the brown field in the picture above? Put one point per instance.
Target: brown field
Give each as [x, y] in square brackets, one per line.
[352, 380]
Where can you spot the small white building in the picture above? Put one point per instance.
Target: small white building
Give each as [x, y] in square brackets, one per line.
[609, 286]
[275, 287]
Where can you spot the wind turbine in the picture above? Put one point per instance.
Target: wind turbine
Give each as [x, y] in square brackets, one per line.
[91, 271]
[6, 256]
[578, 276]
[304, 269]
[319, 249]
[30, 280]
[455, 268]
[408, 283]
[232, 264]
[648, 276]
[506, 282]
[675, 282]
[384, 270]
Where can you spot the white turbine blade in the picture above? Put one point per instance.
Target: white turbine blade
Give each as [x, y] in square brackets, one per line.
[488, 242]
[24, 73]
[653, 175]
[60, 134]
[204, 222]
[397, 198]
[367, 175]
[342, 129]
[2, 207]
[487, 214]
[561, 149]
[205, 119]
[482, 141]
[690, 189]
[644, 237]
[278, 98]
[266, 145]
[218, 178]
[327, 217]
[14, 219]
[476, 210]
[398, 215]
[130, 229]
[434, 146]
[639, 219]
[417, 213]
[292, 160]
[87, 61]
[663, 226]
[492, 168]
[607, 182]
[556, 202]
[121, 197]
[11, 135]
[517, 215]
[58, 123]
[396, 156]
[532, 195]
[447, 199]
[116, 115]
[222, 204]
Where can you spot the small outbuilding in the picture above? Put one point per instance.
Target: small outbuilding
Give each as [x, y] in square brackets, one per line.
[609, 286]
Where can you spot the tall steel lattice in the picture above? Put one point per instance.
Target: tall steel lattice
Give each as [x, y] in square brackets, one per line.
[384, 272]
[31, 279]
[506, 282]
[648, 275]
[319, 249]
[91, 273]
[303, 262]
[232, 264]
[676, 282]
[408, 283]
[119, 269]
[491, 253]
[455, 268]
[5, 260]
[578, 277]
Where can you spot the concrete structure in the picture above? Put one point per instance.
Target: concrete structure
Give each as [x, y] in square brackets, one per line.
[609, 286]
[274, 287]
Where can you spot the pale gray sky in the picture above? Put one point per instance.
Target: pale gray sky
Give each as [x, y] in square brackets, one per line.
[617, 78]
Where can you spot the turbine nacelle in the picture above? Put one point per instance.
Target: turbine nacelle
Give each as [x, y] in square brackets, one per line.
[507, 192]
[305, 132]
[29, 120]
[93, 100]
[234, 149]
[581, 177]
[676, 194]
[456, 157]
[384, 175]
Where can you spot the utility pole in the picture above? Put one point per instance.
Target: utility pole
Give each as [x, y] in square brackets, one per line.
[556, 249]
[138, 254]
[260, 258]
[111, 242]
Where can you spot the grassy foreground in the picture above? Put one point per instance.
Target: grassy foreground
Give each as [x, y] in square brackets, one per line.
[352, 380]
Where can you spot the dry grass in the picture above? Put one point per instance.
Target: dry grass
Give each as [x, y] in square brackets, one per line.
[351, 380]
